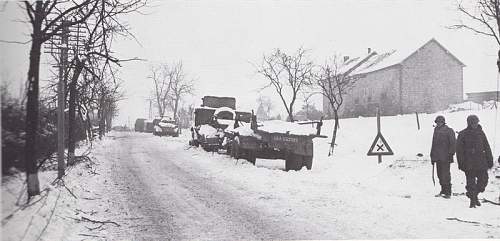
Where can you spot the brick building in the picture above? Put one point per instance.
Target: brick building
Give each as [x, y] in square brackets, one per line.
[427, 79]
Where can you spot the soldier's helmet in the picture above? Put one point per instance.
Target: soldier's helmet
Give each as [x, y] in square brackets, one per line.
[439, 119]
[472, 119]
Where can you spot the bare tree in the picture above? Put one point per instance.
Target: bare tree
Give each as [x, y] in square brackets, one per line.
[288, 74]
[485, 16]
[334, 84]
[180, 87]
[162, 82]
[48, 19]
[45, 18]
[170, 85]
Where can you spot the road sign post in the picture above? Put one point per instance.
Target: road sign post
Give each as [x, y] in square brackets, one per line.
[379, 146]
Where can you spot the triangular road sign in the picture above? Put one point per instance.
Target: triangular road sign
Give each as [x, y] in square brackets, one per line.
[380, 147]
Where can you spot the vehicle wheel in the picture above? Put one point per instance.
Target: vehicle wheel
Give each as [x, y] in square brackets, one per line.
[206, 148]
[293, 162]
[308, 162]
[251, 157]
[235, 150]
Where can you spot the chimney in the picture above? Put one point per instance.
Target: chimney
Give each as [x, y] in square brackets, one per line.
[346, 58]
[369, 50]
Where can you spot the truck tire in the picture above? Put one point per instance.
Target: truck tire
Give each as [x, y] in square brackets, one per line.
[251, 157]
[235, 150]
[293, 162]
[308, 162]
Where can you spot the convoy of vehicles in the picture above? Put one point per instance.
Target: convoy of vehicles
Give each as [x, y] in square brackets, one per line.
[220, 127]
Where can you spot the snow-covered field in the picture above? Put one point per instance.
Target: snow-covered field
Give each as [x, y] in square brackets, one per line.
[345, 196]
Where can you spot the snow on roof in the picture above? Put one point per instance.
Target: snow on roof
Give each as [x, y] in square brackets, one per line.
[467, 105]
[393, 57]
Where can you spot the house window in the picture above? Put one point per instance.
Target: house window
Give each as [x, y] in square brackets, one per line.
[369, 98]
[356, 101]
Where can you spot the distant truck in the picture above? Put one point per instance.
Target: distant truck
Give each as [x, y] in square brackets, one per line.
[277, 140]
[210, 120]
[149, 126]
[166, 126]
[139, 125]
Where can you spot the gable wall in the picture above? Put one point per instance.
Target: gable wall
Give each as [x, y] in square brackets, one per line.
[431, 80]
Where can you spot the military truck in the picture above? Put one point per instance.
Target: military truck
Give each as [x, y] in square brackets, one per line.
[139, 125]
[166, 126]
[279, 140]
[211, 118]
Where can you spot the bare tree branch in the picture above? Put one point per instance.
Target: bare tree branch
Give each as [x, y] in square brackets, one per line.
[288, 74]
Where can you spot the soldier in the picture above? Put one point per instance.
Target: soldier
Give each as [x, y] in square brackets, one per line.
[442, 151]
[474, 158]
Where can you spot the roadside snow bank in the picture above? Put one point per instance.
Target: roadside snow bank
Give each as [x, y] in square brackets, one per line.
[63, 209]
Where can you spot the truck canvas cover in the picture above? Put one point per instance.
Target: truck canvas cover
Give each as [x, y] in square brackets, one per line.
[217, 102]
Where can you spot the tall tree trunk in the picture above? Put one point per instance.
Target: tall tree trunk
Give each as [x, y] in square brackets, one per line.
[72, 111]
[32, 105]
[334, 135]
[176, 106]
[109, 117]
[90, 132]
[101, 113]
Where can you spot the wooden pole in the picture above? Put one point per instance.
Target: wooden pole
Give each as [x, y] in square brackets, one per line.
[61, 100]
[378, 120]
[378, 131]
[418, 122]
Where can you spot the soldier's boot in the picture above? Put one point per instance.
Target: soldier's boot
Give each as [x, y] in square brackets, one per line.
[472, 203]
[476, 200]
[441, 193]
[447, 191]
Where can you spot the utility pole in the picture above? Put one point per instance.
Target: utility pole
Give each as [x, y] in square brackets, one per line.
[61, 100]
[150, 107]
[59, 47]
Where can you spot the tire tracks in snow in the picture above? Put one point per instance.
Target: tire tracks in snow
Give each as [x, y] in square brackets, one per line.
[178, 203]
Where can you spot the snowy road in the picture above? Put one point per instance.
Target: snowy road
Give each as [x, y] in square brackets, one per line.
[137, 186]
[159, 188]
[170, 198]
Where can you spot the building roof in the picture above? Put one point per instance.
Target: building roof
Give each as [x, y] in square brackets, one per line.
[383, 60]
[479, 97]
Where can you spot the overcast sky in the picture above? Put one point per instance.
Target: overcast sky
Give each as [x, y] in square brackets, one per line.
[219, 40]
